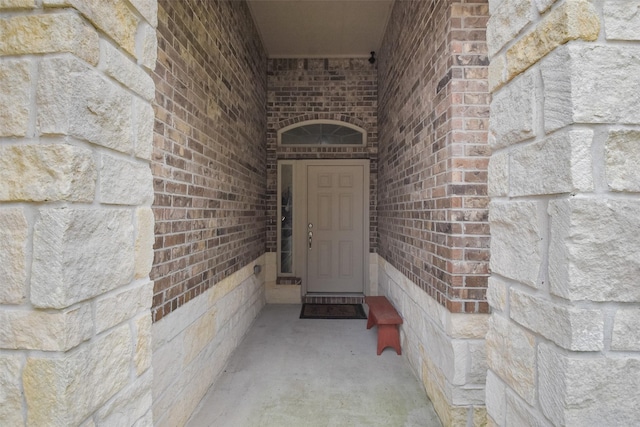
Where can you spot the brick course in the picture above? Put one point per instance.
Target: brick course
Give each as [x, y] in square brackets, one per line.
[433, 152]
[209, 148]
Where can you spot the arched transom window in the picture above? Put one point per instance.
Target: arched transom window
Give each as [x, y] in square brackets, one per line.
[321, 133]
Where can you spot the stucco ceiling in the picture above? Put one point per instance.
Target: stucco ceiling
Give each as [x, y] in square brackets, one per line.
[328, 28]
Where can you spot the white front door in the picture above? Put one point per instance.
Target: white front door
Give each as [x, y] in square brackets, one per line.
[335, 228]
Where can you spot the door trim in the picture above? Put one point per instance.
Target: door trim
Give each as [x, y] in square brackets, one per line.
[300, 205]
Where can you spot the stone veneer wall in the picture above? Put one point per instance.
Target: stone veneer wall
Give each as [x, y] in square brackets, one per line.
[76, 226]
[193, 345]
[563, 346]
[432, 196]
[209, 168]
[209, 148]
[332, 88]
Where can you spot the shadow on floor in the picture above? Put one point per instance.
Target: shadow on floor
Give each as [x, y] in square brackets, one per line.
[313, 372]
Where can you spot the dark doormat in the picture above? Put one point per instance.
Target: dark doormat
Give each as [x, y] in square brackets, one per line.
[332, 311]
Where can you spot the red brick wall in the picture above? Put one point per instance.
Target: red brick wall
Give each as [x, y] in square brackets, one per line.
[306, 89]
[433, 152]
[209, 159]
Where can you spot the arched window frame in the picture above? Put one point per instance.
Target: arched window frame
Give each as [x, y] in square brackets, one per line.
[362, 131]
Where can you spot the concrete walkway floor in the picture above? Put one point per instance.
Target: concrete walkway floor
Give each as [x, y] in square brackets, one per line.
[291, 372]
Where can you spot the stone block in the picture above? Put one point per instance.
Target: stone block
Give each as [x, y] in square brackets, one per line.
[506, 22]
[164, 332]
[498, 293]
[544, 5]
[434, 383]
[47, 331]
[229, 304]
[119, 306]
[199, 335]
[511, 354]
[123, 182]
[76, 100]
[142, 356]
[622, 160]
[572, 20]
[144, 242]
[582, 230]
[89, 422]
[49, 33]
[226, 286]
[561, 163]
[579, 391]
[130, 405]
[10, 391]
[447, 355]
[166, 359]
[498, 180]
[569, 327]
[113, 17]
[586, 83]
[117, 65]
[516, 241]
[143, 121]
[520, 414]
[17, 4]
[79, 254]
[145, 421]
[464, 326]
[513, 111]
[14, 231]
[497, 73]
[148, 9]
[558, 105]
[457, 370]
[621, 19]
[479, 416]
[495, 392]
[15, 92]
[493, 6]
[47, 173]
[148, 47]
[626, 334]
[477, 372]
[65, 390]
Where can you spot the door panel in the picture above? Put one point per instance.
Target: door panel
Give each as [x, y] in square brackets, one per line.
[335, 213]
[346, 212]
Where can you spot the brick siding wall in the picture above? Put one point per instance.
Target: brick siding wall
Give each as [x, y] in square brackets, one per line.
[209, 148]
[433, 152]
[304, 89]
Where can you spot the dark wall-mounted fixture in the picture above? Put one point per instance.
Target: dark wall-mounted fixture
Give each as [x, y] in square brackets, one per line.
[372, 59]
